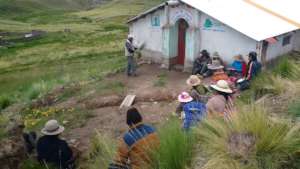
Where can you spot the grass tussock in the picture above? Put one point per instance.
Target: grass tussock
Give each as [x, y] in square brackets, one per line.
[250, 141]
[101, 152]
[287, 68]
[176, 147]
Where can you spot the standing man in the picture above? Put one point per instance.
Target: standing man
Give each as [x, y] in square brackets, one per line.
[129, 53]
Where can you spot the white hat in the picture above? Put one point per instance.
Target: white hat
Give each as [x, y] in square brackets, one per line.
[216, 64]
[184, 97]
[130, 36]
[52, 128]
[193, 80]
[222, 86]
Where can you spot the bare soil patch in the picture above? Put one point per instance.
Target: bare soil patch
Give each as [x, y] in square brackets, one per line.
[156, 103]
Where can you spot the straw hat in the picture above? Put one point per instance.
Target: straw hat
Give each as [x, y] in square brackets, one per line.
[52, 128]
[216, 64]
[222, 86]
[193, 80]
[184, 97]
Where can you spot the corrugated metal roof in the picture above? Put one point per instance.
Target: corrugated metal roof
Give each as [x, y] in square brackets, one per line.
[251, 20]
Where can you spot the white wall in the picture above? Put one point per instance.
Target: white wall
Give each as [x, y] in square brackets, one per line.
[277, 49]
[296, 43]
[224, 40]
[144, 32]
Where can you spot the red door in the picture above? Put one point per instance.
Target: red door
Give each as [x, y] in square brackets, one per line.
[181, 41]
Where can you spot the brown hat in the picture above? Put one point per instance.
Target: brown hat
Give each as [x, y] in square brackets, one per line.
[193, 80]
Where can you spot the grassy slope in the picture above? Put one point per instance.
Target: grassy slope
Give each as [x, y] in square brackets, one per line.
[93, 46]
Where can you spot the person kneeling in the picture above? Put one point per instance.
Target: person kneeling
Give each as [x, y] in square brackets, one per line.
[136, 146]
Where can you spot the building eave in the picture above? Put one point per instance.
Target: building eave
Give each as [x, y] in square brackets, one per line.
[141, 15]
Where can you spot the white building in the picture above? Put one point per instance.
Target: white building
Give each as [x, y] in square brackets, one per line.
[176, 31]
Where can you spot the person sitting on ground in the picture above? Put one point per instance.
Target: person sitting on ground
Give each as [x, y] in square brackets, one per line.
[198, 90]
[136, 145]
[239, 66]
[200, 64]
[217, 70]
[192, 111]
[254, 67]
[221, 103]
[51, 150]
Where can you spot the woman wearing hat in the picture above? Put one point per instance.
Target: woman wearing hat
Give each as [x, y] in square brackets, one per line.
[198, 90]
[192, 111]
[218, 70]
[52, 150]
[221, 103]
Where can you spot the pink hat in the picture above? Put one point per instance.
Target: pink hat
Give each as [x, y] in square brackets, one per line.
[184, 97]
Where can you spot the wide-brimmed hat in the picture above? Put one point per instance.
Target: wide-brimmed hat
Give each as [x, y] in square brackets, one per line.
[193, 80]
[222, 86]
[184, 97]
[52, 128]
[215, 65]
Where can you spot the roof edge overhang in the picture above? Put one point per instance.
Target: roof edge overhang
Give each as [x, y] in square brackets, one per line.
[151, 10]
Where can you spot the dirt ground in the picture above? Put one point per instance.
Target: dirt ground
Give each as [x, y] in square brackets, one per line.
[155, 102]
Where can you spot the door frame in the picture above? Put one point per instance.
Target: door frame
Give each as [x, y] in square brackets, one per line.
[183, 26]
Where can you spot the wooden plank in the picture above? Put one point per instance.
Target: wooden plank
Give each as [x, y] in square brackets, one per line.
[128, 101]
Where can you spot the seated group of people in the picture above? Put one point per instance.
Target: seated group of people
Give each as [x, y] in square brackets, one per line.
[206, 66]
[215, 100]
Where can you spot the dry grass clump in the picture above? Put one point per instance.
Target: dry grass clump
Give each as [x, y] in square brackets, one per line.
[251, 140]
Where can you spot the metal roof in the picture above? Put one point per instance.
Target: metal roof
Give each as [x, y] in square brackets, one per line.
[258, 19]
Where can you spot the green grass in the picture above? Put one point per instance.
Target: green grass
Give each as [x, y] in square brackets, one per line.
[294, 108]
[287, 68]
[161, 80]
[274, 81]
[176, 147]
[251, 140]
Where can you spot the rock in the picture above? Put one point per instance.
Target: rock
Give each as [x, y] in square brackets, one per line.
[13, 152]
[240, 145]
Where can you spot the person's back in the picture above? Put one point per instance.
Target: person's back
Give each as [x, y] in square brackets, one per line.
[141, 140]
[193, 112]
[256, 68]
[51, 150]
[137, 144]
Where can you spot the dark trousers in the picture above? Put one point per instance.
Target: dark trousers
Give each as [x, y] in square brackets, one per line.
[131, 65]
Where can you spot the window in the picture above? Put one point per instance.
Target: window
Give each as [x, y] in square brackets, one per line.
[286, 40]
[155, 21]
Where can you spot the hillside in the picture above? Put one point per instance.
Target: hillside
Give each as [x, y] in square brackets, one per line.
[76, 45]
[27, 10]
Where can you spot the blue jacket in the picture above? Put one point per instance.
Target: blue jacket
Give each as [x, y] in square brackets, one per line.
[253, 70]
[194, 112]
[237, 65]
